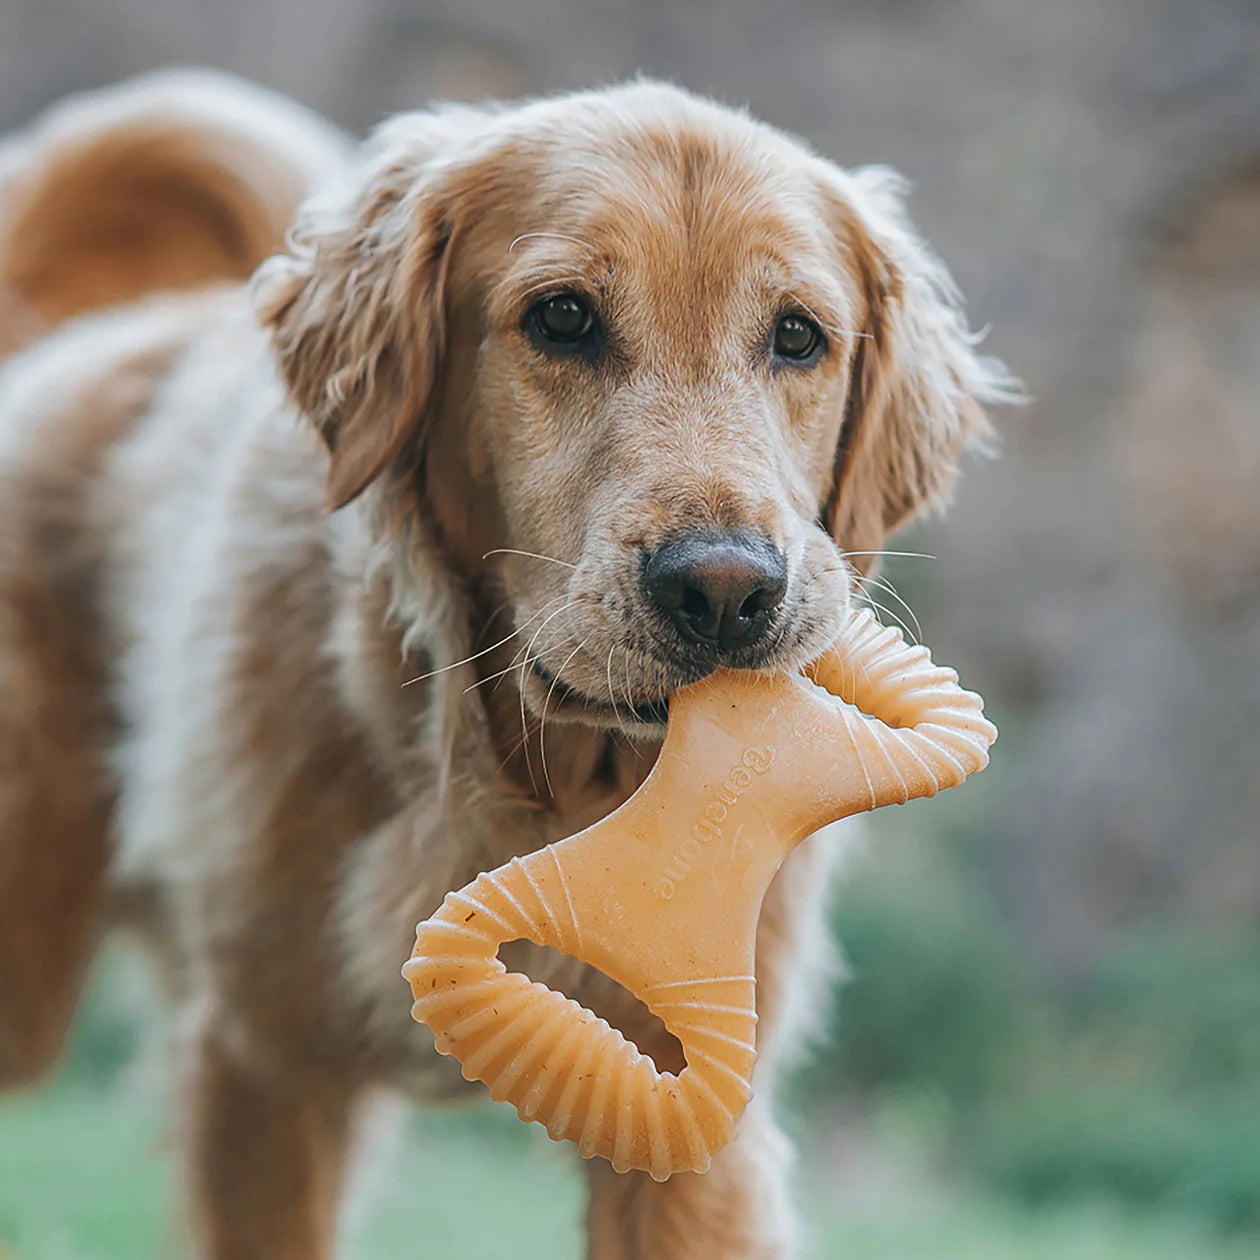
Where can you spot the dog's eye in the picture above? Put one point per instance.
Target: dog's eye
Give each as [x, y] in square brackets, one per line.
[797, 339]
[563, 321]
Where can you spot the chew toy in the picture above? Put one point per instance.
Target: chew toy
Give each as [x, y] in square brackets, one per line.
[664, 895]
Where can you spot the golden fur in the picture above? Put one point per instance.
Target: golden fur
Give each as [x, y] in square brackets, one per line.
[228, 548]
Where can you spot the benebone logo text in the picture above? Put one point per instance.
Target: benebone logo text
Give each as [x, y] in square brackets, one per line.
[714, 815]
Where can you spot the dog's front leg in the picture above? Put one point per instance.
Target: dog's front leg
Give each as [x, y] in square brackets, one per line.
[739, 1210]
[265, 1150]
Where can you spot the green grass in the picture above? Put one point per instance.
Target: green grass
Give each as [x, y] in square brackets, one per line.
[84, 1175]
[81, 1178]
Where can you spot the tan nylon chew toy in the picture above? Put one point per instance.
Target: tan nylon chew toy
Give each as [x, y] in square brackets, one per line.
[664, 895]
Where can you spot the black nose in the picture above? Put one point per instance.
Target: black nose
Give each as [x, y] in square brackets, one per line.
[719, 589]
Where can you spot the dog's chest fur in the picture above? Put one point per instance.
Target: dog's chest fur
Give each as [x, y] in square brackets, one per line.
[296, 807]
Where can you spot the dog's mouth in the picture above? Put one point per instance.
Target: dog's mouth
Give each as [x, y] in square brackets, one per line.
[652, 711]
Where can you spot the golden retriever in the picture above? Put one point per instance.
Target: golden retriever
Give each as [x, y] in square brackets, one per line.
[317, 598]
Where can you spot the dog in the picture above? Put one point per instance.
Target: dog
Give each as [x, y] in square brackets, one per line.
[322, 592]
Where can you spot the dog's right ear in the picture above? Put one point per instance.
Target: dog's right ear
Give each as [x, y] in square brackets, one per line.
[356, 305]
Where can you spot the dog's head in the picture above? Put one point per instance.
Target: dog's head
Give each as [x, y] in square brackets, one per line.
[658, 377]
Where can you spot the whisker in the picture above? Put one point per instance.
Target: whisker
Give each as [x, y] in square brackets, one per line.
[874, 603]
[612, 695]
[489, 621]
[509, 669]
[822, 323]
[778, 642]
[551, 282]
[528, 647]
[638, 752]
[532, 555]
[542, 723]
[520, 743]
[503, 673]
[529, 764]
[553, 236]
[885, 585]
[914, 555]
[563, 609]
[634, 712]
[469, 659]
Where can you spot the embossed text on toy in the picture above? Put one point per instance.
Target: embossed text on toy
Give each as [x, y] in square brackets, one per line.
[708, 827]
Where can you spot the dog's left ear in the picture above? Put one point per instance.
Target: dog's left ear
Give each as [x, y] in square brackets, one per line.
[356, 306]
[918, 387]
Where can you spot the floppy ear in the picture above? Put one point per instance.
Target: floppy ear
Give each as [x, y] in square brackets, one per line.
[356, 305]
[917, 386]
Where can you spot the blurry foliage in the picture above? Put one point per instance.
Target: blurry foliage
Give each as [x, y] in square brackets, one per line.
[933, 991]
[109, 1030]
[1140, 1082]
[1188, 1000]
[1200, 1154]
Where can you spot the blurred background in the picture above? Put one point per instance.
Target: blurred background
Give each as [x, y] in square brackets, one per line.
[1048, 1044]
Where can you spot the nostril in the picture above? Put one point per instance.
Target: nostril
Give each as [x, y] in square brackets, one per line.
[694, 603]
[758, 602]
